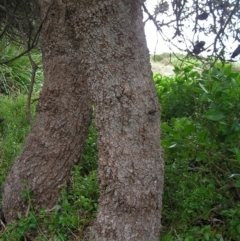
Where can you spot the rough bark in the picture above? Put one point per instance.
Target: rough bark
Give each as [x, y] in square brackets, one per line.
[63, 116]
[109, 37]
[127, 120]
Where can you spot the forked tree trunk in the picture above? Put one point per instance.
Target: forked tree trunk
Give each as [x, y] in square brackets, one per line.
[127, 120]
[109, 37]
[63, 116]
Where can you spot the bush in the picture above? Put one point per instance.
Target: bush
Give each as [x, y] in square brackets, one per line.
[176, 94]
[200, 135]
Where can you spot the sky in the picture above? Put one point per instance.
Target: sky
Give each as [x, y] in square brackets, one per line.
[157, 45]
[154, 41]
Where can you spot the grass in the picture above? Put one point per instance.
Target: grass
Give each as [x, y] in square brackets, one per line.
[12, 130]
[15, 76]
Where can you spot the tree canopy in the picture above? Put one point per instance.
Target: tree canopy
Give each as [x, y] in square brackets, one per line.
[19, 23]
[216, 21]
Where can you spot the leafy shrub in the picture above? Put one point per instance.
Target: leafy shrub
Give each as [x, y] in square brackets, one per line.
[176, 94]
[201, 154]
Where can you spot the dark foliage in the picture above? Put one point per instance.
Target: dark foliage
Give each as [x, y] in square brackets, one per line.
[202, 16]
[20, 17]
[19, 23]
[198, 47]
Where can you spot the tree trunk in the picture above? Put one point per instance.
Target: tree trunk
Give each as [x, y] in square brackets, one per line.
[109, 37]
[127, 120]
[63, 116]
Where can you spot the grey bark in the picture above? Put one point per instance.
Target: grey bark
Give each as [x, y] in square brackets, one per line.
[107, 40]
[127, 119]
[56, 139]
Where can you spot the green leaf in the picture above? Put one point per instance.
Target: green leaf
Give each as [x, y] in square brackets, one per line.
[176, 70]
[201, 156]
[215, 115]
[227, 69]
[188, 129]
[168, 128]
[188, 68]
[235, 126]
[204, 97]
[57, 208]
[166, 143]
[203, 88]
[206, 236]
[202, 136]
[238, 184]
[176, 143]
[51, 228]
[215, 86]
[236, 151]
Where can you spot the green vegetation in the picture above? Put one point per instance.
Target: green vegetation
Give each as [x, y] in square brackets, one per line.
[12, 130]
[161, 57]
[15, 76]
[176, 59]
[200, 137]
[77, 205]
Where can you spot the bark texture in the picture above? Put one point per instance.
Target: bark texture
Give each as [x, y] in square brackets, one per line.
[99, 47]
[127, 120]
[63, 116]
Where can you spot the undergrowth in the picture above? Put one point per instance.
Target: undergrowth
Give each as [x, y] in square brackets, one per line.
[200, 136]
[15, 76]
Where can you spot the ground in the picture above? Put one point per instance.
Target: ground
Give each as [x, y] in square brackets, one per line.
[162, 68]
